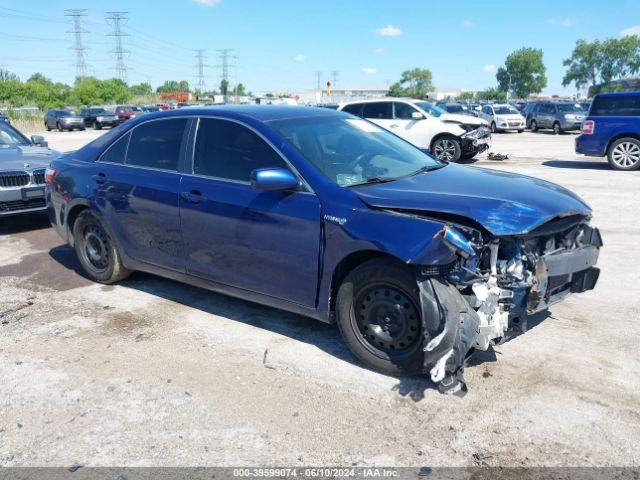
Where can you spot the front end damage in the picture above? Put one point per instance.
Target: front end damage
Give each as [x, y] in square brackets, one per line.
[494, 284]
[475, 139]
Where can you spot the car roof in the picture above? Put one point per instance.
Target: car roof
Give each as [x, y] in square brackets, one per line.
[385, 99]
[619, 94]
[263, 113]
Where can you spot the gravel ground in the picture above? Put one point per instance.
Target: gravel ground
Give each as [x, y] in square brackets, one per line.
[151, 372]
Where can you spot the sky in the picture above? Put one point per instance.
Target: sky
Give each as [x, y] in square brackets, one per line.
[279, 45]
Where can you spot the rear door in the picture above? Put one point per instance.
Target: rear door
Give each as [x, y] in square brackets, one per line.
[266, 242]
[138, 187]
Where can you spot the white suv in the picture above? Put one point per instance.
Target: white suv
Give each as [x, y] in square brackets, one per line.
[448, 136]
[503, 117]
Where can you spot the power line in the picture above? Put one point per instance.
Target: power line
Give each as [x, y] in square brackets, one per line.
[116, 19]
[76, 16]
[335, 74]
[200, 57]
[319, 80]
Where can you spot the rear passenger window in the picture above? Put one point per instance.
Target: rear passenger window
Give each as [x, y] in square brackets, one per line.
[117, 151]
[231, 151]
[618, 106]
[157, 144]
[377, 110]
[355, 109]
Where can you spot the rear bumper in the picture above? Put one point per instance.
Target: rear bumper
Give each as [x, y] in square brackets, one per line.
[590, 145]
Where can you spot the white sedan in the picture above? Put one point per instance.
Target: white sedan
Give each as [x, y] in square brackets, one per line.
[503, 117]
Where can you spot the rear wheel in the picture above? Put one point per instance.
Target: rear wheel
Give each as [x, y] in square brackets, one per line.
[379, 317]
[534, 126]
[494, 129]
[447, 148]
[624, 154]
[96, 249]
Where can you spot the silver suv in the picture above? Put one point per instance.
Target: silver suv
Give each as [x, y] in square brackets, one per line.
[560, 117]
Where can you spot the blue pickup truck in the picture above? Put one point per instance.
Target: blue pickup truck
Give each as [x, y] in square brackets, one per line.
[612, 129]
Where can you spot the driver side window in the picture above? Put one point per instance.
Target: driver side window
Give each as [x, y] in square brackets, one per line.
[403, 111]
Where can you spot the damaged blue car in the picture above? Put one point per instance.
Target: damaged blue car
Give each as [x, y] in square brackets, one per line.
[321, 213]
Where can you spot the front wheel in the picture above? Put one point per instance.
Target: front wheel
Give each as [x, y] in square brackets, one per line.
[624, 154]
[494, 129]
[447, 148]
[379, 317]
[521, 130]
[60, 129]
[557, 130]
[96, 250]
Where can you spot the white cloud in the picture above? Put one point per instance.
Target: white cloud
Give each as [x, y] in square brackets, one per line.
[629, 32]
[300, 58]
[379, 51]
[566, 22]
[208, 3]
[369, 70]
[389, 31]
[467, 24]
[489, 68]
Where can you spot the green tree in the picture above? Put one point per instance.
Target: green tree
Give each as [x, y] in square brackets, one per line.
[524, 72]
[467, 96]
[493, 93]
[141, 90]
[173, 86]
[584, 64]
[7, 76]
[239, 91]
[224, 87]
[415, 83]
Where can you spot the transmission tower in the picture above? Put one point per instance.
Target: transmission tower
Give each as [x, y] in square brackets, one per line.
[200, 76]
[116, 19]
[76, 16]
[225, 57]
[335, 74]
[319, 80]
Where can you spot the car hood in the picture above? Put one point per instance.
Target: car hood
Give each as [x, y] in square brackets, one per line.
[503, 203]
[466, 119]
[15, 158]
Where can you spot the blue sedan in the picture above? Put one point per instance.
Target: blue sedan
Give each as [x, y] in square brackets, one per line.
[327, 215]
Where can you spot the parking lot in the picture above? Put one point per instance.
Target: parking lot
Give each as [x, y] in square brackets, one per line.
[152, 372]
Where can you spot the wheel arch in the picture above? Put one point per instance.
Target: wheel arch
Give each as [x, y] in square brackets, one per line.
[620, 136]
[72, 217]
[348, 264]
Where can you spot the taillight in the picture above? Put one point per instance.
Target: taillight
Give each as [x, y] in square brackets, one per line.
[49, 175]
[588, 127]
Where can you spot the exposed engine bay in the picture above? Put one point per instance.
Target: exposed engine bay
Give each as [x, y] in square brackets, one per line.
[495, 283]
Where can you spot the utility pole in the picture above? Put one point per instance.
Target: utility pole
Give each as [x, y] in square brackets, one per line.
[225, 56]
[76, 17]
[200, 76]
[116, 19]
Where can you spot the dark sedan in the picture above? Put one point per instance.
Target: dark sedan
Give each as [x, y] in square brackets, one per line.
[98, 117]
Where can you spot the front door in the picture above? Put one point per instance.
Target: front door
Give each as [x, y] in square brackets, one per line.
[266, 242]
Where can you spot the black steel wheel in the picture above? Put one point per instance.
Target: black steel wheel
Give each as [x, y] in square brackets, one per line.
[96, 250]
[379, 316]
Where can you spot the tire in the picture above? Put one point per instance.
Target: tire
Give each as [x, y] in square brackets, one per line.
[47, 127]
[557, 129]
[447, 147]
[520, 131]
[624, 154]
[96, 249]
[97, 126]
[59, 127]
[534, 126]
[468, 156]
[494, 129]
[379, 318]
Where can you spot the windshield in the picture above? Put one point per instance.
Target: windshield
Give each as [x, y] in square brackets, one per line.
[98, 110]
[350, 151]
[10, 137]
[67, 112]
[430, 108]
[505, 110]
[569, 107]
[455, 108]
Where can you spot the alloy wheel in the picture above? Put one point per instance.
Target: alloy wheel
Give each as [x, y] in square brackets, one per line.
[445, 149]
[626, 154]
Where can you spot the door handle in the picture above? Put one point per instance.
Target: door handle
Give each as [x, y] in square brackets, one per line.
[193, 196]
[394, 125]
[99, 178]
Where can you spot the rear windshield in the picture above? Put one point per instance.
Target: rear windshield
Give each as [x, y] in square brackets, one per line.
[616, 106]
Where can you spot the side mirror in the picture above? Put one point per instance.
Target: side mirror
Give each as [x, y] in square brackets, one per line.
[39, 141]
[273, 179]
[417, 116]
